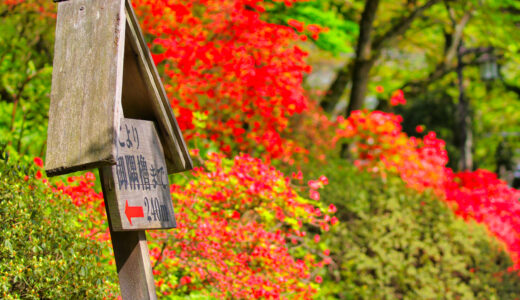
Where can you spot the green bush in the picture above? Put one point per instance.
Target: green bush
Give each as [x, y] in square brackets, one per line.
[42, 252]
[395, 243]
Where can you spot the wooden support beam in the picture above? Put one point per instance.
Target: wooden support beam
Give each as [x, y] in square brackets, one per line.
[130, 251]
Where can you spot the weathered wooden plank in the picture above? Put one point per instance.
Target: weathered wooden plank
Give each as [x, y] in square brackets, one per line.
[139, 180]
[130, 251]
[86, 85]
[140, 71]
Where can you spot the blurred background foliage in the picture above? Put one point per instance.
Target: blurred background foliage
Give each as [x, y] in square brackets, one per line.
[392, 243]
[26, 49]
[395, 243]
[420, 59]
[44, 253]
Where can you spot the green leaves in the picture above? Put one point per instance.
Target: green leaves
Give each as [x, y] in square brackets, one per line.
[43, 254]
[26, 42]
[342, 30]
[393, 243]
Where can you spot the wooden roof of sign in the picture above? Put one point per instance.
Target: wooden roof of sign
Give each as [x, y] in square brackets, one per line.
[103, 70]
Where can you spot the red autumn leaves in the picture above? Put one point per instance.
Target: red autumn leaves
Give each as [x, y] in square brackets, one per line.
[223, 59]
[381, 147]
[235, 219]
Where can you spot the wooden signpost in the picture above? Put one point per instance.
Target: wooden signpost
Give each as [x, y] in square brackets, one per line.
[138, 193]
[109, 111]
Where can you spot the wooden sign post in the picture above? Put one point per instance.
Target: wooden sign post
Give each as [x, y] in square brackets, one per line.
[137, 197]
[109, 111]
[139, 181]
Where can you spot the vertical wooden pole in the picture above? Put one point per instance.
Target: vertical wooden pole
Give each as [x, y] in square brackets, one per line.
[130, 251]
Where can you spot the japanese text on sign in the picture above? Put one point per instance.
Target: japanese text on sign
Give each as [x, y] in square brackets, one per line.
[141, 179]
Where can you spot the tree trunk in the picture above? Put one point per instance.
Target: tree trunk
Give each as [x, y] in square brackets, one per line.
[363, 52]
[465, 136]
[364, 60]
[359, 85]
[368, 49]
[464, 129]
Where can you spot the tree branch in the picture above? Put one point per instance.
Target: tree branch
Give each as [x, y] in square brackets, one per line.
[364, 45]
[438, 74]
[446, 66]
[401, 26]
[458, 29]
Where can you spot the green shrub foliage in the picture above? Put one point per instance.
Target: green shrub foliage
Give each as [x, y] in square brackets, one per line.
[394, 243]
[43, 254]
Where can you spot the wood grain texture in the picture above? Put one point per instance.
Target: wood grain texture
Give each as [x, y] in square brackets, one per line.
[141, 81]
[86, 85]
[131, 254]
[138, 184]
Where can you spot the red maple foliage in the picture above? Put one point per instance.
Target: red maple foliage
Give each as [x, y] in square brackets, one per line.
[380, 146]
[244, 74]
[241, 231]
[482, 197]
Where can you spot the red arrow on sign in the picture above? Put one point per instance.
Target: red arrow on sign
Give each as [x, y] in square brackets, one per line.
[133, 212]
